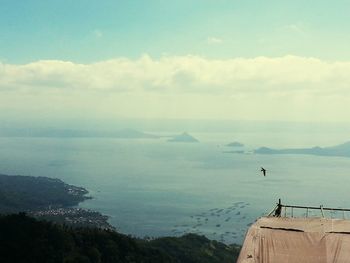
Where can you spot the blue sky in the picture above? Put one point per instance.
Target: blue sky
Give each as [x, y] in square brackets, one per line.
[89, 31]
[241, 60]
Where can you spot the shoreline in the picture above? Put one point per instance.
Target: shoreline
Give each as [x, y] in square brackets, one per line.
[50, 199]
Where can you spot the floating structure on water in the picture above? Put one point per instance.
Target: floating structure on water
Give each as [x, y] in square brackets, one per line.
[291, 233]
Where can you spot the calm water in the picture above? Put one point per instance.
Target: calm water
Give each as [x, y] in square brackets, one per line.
[156, 188]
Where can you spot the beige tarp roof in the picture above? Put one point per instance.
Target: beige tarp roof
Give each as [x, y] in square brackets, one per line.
[287, 240]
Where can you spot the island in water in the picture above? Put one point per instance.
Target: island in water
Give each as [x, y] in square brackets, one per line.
[184, 137]
[342, 150]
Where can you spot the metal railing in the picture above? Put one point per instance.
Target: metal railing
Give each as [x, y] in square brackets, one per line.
[281, 210]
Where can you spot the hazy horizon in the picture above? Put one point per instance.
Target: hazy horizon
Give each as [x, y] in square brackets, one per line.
[171, 125]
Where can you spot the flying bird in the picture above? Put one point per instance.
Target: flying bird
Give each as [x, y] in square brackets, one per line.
[263, 171]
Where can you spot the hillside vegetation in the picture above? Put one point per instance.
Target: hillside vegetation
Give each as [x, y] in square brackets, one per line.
[27, 193]
[24, 239]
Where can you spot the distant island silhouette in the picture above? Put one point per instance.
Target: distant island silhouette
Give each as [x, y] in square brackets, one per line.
[235, 144]
[132, 134]
[184, 137]
[337, 150]
[78, 133]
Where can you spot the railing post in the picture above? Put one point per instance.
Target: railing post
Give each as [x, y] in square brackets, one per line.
[321, 207]
[272, 211]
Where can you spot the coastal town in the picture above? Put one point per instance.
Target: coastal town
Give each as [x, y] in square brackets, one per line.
[76, 217]
[49, 199]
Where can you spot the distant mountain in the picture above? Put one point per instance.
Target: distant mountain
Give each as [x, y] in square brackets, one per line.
[235, 144]
[337, 150]
[184, 137]
[131, 134]
[76, 133]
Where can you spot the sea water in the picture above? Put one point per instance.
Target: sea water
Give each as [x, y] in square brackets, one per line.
[151, 187]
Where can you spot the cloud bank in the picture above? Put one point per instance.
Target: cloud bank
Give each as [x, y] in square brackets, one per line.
[288, 88]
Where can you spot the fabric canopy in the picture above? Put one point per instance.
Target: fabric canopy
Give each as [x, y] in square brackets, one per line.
[297, 240]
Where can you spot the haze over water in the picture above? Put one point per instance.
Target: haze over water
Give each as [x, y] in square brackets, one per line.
[151, 187]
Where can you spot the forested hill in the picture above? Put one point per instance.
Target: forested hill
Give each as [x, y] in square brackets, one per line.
[24, 239]
[29, 193]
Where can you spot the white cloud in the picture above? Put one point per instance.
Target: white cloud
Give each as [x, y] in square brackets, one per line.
[183, 74]
[288, 87]
[214, 40]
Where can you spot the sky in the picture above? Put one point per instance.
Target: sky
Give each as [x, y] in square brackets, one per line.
[201, 59]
